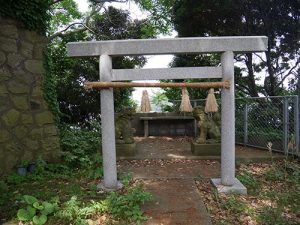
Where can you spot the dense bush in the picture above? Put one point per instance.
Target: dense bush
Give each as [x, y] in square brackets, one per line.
[79, 145]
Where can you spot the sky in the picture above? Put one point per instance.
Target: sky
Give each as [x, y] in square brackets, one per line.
[157, 61]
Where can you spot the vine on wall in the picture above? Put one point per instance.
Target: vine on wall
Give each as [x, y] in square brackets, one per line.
[33, 14]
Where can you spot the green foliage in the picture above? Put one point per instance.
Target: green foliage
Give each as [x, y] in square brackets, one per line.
[24, 163]
[127, 206]
[160, 100]
[76, 212]
[32, 13]
[121, 206]
[49, 87]
[62, 14]
[249, 181]
[234, 205]
[193, 18]
[80, 144]
[35, 210]
[78, 106]
[271, 216]
[160, 12]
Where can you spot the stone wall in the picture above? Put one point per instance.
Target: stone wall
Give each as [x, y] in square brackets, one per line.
[27, 129]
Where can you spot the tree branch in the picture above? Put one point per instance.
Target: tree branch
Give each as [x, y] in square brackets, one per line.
[61, 33]
[288, 73]
[55, 1]
[85, 25]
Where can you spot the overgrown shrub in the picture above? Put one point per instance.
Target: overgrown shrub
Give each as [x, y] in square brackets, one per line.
[80, 144]
[123, 206]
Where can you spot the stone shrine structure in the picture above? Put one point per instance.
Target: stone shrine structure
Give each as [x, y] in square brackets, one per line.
[27, 129]
[226, 46]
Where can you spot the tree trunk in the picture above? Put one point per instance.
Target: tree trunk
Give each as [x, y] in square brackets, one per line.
[251, 79]
[272, 81]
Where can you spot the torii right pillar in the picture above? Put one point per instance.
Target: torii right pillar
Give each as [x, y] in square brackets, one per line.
[228, 182]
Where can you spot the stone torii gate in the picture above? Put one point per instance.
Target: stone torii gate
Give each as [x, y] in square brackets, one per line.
[224, 45]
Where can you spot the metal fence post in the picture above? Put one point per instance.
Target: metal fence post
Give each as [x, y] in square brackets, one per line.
[285, 125]
[246, 124]
[296, 124]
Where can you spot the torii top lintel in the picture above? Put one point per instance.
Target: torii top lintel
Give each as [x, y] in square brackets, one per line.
[237, 44]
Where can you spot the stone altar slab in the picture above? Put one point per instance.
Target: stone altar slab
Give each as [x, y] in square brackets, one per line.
[206, 149]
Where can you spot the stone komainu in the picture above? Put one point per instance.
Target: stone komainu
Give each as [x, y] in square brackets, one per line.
[208, 125]
[124, 131]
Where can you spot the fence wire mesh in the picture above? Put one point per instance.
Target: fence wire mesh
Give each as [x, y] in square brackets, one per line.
[261, 120]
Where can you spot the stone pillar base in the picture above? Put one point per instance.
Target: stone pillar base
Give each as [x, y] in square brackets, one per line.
[237, 187]
[206, 149]
[102, 188]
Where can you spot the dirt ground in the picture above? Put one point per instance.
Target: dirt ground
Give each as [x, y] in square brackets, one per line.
[171, 173]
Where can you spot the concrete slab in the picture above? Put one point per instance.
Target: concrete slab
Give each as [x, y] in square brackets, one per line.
[176, 202]
[237, 187]
[206, 149]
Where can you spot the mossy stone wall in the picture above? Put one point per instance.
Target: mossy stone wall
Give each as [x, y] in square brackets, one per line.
[27, 128]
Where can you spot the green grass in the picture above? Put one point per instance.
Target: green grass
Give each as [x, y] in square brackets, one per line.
[273, 195]
[77, 196]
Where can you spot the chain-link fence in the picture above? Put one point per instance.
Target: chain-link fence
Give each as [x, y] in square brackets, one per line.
[261, 120]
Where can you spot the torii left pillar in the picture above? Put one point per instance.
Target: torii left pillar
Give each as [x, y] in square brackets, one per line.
[110, 182]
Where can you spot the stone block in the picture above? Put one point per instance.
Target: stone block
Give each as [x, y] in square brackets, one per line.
[5, 74]
[4, 135]
[126, 149]
[20, 102]
[26, 49]
[30, 36]
[14, 60]
[37, 92]
[38, 51]
[3, 90]
[8, 45]
[4, 104]
[35, 104]
[50, 144]
[50, 130]
[34, 66]
[26, 119]
[206, 149]
[9, 31]
[16, 87]
[237, 187]
[20, 131]
[11, 118]
[24, 76]
[13, 147]
[2, 58]
[32, 144]
[44, 118]
[36, 133]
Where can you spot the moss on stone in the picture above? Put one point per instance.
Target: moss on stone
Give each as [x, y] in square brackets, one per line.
[3, 90]
[34, 66]
[4, 135]
[36, 133]
[16, 87]
[26, 119]
[20, 102]
[44, 118]
[11, 118]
